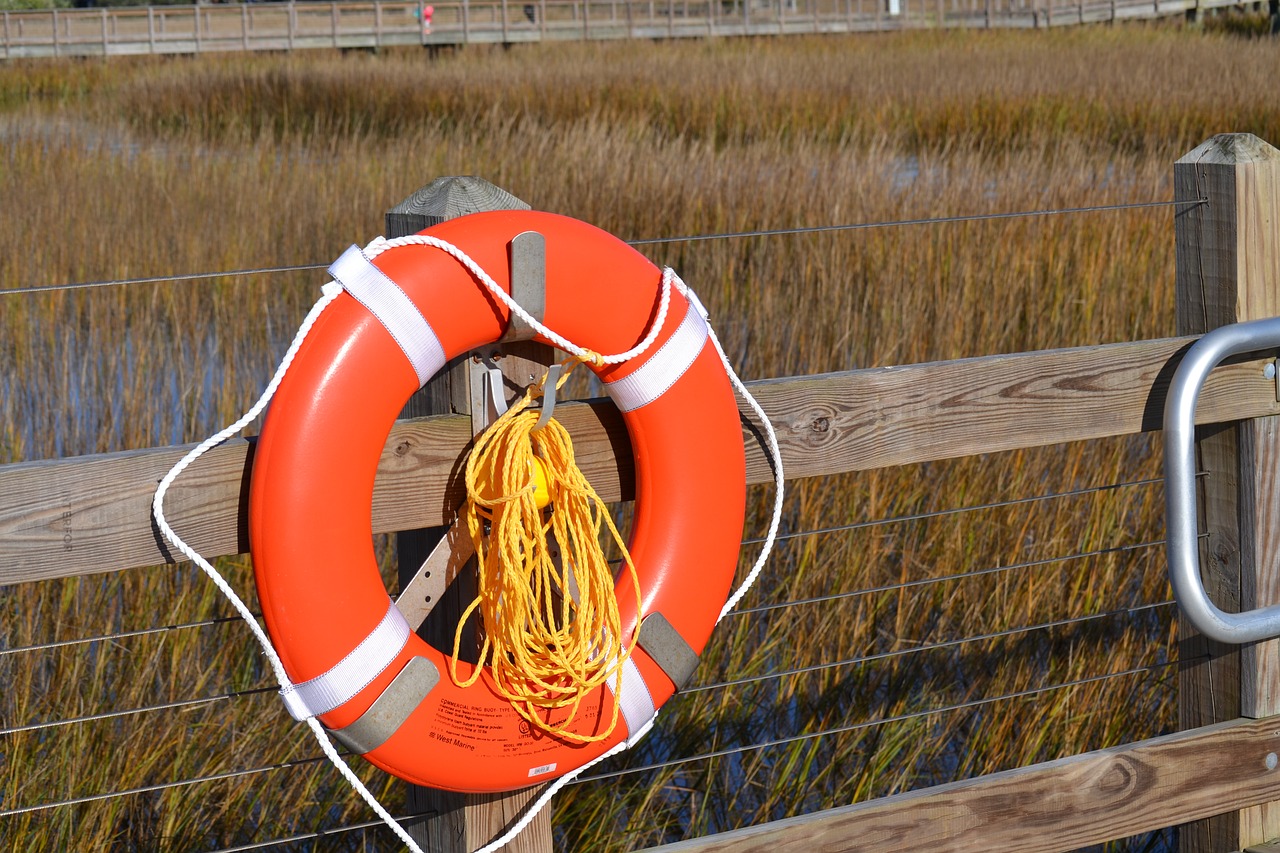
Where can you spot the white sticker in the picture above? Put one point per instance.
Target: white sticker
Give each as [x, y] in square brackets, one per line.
[539, 771]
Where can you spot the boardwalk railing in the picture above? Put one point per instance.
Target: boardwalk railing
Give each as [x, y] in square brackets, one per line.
[72, 517]
[289, 26]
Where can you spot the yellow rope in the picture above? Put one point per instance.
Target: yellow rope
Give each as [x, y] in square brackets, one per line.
[548, 644]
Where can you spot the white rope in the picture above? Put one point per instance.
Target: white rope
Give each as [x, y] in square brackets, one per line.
[381, 244]
[778, 487]
[331, 291]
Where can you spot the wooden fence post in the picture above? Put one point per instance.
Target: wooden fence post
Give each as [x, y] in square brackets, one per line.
[1228, 270]
[460, 823]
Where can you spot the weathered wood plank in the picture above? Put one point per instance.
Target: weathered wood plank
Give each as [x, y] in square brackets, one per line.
[1060, 805]
[901, 415]
[91, 514]
[1228, 271]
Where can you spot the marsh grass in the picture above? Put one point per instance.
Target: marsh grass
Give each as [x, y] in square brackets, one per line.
[138, 168]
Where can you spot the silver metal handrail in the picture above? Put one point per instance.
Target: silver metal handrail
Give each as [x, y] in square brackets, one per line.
[1180, 483]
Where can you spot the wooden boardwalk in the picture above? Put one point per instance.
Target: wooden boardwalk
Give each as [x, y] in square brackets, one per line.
[378, 23]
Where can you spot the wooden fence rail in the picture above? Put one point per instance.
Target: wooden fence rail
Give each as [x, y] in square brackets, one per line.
[370, 24]
[1067, 804]
[78, 516]
[68, 517]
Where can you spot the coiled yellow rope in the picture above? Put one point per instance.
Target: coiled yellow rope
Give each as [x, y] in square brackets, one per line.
[552, 633]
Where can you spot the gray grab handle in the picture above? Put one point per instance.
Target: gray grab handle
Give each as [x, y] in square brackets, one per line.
[1180, 483]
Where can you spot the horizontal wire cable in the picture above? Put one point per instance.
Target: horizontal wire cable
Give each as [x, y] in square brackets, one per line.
[751, 541]
[947, 709]
[740, 612]
[760, 609]
[935, 220]
[774, 232]
[165, 786]
[941, 513]
[765, 608]
[158, 279]
[867, 724]
[893, 587]
[121, 635]
[128, 712]
[285, 765]
[928, 647]
[744, 611]
[321, 833]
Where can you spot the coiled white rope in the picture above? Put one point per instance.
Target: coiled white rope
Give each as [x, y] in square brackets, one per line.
[330, 291]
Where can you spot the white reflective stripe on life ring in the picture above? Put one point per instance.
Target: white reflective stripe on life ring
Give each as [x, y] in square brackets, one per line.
[353, 673]
[664, 368]
[360, 277]
[635, 703]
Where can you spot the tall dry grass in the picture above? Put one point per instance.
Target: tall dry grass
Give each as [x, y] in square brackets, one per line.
[137, 168]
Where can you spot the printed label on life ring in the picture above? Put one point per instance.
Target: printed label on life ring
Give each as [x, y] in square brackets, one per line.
[467, 726]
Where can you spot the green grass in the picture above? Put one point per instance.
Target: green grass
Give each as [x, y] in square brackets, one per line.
[147, 167]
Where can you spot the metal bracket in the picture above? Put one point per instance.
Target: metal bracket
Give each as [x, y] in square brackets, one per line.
[393, 706]
[528, 254]
[527, 257]
[1180, 483]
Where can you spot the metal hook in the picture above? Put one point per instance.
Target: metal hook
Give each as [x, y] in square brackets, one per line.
[497, 396]
[548, 396]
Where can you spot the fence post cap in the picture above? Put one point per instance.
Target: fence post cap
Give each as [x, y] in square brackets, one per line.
[450, 197]
[1232, 148]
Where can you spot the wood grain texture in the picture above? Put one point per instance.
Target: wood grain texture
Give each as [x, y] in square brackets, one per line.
[446, 198]
[1228, 271]
[1228, 249]
[1260, 662]
[83, 515]
[875, 418]
[470, 821]
[1273, 847]
[1060, 805]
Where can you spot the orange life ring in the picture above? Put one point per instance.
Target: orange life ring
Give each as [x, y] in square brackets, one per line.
[388, 694]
